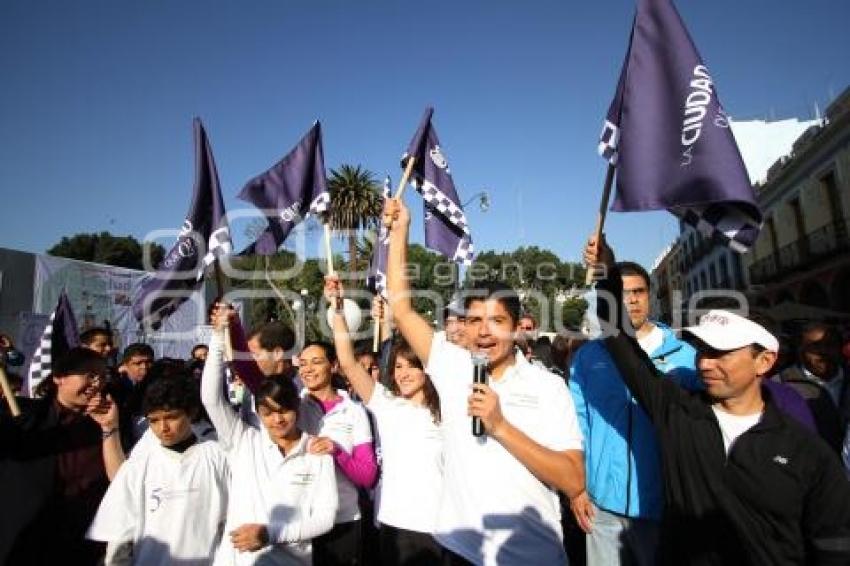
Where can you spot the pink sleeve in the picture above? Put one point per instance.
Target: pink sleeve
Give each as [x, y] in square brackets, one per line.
[243, 364]
[361, 466]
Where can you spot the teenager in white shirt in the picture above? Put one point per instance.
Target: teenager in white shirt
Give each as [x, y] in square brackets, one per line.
[342, 430]
[498, 505]
[407, 416]
[168, 502]
[281, 496]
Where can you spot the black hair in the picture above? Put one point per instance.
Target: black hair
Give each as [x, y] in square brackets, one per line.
[627, 268]
[137, 349]
[498, 291]
[177, 393]
[198, 347]
[273, 335]
[79, 360]
[281, 390]
[87, 337]
[432, 399]
[364, 348]
[330, 351]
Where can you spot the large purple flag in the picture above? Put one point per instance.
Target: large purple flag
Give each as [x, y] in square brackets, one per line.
[204, 236]
[446, 229]
[287, 193]
[669, 137]
[376, 280]
[59, 336]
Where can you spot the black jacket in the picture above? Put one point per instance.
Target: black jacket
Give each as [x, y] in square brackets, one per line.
[36, 525]
[780, 497]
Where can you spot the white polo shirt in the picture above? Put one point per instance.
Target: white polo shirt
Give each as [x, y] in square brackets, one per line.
[348, 426]
[170, 505]
[493, 510]
[412, 462]
[295, 495]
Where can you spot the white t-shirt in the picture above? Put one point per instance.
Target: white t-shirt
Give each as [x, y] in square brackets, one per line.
[493, 510]
[733, 426]
[348, 426]
[412, 460]
[652, 341]
[295, 495]
[171, 506]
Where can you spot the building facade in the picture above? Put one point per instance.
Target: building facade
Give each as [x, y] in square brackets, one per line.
[802, 254]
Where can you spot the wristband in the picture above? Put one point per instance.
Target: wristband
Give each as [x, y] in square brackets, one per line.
[104, 434]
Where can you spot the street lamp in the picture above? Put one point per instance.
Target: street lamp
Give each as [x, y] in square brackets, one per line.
[483, 201]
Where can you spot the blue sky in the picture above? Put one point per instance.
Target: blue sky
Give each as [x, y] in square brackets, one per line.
[97, 98]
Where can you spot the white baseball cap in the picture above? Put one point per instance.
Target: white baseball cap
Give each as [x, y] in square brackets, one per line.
[724, 331]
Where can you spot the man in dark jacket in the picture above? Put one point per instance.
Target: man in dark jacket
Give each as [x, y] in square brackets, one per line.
[56, 461]
[743, 483]
[820, 377]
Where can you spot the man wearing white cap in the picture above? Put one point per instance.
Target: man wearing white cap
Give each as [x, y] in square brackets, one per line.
[744, 484]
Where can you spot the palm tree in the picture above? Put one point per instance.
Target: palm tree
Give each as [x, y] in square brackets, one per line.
[356, 204]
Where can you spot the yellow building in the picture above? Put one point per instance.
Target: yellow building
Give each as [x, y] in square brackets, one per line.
[802, 254]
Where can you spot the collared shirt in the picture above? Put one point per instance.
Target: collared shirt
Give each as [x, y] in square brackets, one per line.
[294, 495]
[347, 424]
[493, 509]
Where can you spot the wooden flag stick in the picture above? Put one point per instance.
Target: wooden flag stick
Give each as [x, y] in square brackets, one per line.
[402, 184]
[8, 394]
[376, 332]
[600, 219]
[221, 290]
[328, 251]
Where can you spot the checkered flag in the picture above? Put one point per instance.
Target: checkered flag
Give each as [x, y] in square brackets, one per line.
[723, 224]
[376, 280]
[204, 237]
[669, 137]
[446, 228]
[287, 193]
[59, 336]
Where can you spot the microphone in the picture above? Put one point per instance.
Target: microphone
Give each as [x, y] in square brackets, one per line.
[479, 375]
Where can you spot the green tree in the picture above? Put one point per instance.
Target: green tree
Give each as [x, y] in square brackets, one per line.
[120, 251]
[356, 204]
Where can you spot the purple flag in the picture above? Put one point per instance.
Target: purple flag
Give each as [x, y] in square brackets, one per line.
[59, 336]
[669, 137]
[376, 280]
[287, 193]
[204, 236]
[446, 229]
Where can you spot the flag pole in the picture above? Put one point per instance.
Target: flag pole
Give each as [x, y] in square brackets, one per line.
[221, 290]
[600, 219]
[328, 252]
[376, 332]
[8, 394]
[408, 170]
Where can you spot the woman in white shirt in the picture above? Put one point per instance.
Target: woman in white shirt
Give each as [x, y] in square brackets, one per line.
[281, 496]
[408, 418]
[342, 430]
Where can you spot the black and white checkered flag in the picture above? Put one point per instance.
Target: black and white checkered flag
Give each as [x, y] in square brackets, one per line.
[59, 336]
[446, 228]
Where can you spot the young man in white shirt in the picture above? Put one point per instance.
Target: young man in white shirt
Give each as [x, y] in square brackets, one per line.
[168, 502]
[281, 497]
[498, 505]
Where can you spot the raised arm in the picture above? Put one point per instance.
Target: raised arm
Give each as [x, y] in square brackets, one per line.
[359, 379]
[638, 372]
[415, 329]
[227, 423]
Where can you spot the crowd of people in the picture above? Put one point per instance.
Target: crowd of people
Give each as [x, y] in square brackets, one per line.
[722, 444]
